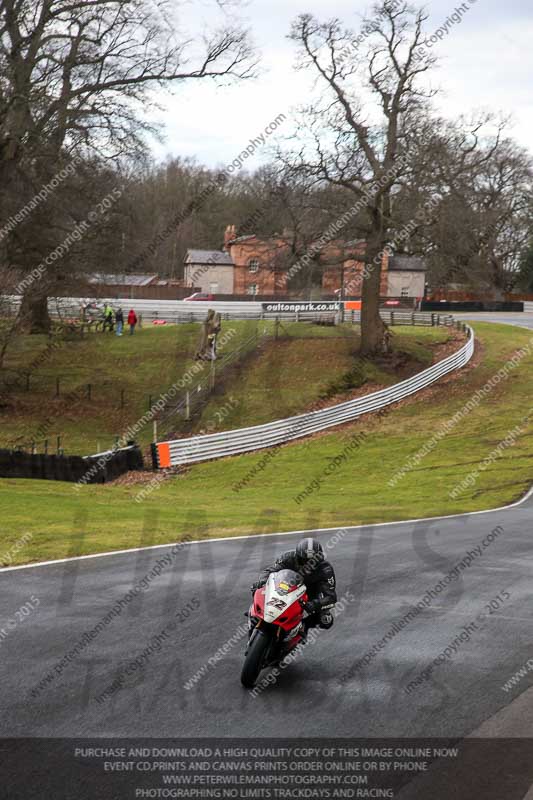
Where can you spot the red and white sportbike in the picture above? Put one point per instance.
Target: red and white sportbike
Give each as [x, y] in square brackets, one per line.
[275, 623]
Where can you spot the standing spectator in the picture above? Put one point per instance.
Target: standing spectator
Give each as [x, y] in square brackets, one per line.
[119, 321]
[108, 317]
[132, 321]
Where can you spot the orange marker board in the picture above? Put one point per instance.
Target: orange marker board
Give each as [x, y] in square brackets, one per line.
[163, 455]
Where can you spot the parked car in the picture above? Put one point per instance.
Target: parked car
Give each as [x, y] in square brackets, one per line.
[200, 296]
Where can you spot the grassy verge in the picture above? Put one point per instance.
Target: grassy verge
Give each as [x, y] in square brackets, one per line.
[61, 520]
[308, 364]
[141, 366]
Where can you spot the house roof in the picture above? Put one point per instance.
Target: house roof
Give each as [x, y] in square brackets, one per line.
[122, 280]
[407, 264]
[208, 257]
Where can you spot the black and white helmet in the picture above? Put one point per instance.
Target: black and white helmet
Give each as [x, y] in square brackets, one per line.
[309, 553]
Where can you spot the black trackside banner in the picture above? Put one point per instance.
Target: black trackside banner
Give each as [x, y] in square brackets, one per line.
[301, 306]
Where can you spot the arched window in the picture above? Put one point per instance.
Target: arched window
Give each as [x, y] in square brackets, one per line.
[253, 265]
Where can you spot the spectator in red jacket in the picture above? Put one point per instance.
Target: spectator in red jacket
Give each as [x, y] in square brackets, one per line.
[132, 321]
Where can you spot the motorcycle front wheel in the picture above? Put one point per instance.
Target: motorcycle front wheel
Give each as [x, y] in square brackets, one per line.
[254, 659]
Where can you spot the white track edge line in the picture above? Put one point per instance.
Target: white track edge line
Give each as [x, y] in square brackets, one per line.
[351, 528]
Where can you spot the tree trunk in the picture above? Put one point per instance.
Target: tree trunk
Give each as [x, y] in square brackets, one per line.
[372, 326]
[34, 313]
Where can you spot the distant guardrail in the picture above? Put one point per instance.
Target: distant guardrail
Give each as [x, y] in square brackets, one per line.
[183, 311]
[227, 443]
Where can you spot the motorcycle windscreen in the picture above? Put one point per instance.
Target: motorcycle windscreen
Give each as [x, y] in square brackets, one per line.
[286, 581]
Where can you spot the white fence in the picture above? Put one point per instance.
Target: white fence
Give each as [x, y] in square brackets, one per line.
[528, 306]
[228, 443]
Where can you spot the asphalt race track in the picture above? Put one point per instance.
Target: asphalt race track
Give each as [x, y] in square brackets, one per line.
[386, 569]
[522, 320]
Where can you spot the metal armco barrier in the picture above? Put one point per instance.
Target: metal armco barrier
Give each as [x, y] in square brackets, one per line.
[228, 443]
[528, 306]
[183, 311]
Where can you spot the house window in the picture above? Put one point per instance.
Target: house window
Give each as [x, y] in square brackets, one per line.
[405, 292]
[252, 288]
[253, 265]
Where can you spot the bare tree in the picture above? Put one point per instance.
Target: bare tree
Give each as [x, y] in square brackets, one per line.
[466, 204]
[76, 77]
[356, 138]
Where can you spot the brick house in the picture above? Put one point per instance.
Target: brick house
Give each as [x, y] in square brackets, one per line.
[209, 270]
[345, 257]
[253, 265]
[260, 264]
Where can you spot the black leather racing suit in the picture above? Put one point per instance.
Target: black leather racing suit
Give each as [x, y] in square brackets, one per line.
[320, 582]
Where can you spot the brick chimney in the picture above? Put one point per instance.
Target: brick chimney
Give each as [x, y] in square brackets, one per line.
[229, 234]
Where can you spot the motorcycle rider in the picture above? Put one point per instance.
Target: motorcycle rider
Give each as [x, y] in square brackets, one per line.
[319, 577]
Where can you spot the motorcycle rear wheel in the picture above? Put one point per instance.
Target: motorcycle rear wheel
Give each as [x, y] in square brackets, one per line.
[253, 660]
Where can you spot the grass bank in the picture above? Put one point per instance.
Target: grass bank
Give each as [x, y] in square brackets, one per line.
[61, 520]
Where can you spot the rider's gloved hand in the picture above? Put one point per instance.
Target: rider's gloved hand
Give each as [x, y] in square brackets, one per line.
[311, 606]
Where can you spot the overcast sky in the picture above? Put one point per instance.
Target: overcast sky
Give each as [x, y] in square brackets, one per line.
[485, 62]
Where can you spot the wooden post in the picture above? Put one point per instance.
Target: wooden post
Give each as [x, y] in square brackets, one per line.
[187, 405]
[154, 435]
[58, 445]
[33, 448]
[212, 375]
[433, 320]
[392, 318]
